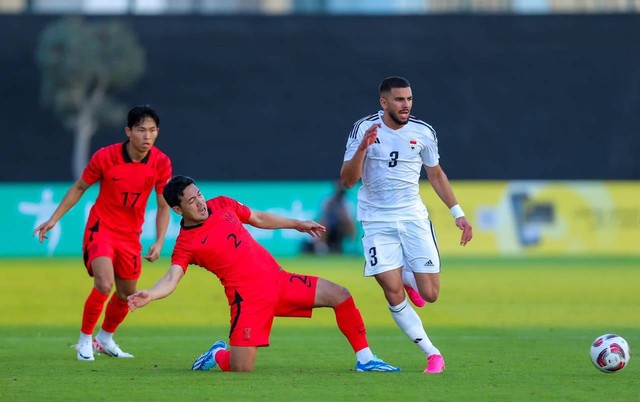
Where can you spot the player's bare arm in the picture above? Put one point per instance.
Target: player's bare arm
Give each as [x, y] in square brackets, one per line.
[68, 201]
[163, 288]
[162, 222]
[442, 187]
[266, 220]
[352, 169]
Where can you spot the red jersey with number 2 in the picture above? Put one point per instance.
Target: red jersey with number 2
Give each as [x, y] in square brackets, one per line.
[223, 246]
[125, 186]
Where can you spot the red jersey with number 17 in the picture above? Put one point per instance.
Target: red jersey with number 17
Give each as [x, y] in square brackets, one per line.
[125, 186]
[223, 246]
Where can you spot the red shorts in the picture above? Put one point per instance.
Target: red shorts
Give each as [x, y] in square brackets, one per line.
[252, 312]
[125, 254]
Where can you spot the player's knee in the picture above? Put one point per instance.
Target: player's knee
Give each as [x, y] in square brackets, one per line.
[125, 288]
[430, 297]
[104, 287]
[342, 293]
[329, 294]
[122, 296]
[337, 295]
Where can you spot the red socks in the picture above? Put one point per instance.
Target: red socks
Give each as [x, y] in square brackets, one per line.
[350, 323]
[92, 310]
[222, 358]
[117, 310]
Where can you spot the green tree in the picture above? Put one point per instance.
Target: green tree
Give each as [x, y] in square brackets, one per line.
[82, 64]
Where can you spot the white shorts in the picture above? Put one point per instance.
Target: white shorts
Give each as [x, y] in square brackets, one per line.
[409, 244]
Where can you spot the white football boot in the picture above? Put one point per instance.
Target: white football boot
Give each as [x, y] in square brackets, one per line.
[110, 349]
[85, 351]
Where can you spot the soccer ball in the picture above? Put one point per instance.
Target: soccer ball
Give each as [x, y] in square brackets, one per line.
[610, 353]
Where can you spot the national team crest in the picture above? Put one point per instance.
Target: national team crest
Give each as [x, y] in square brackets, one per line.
[413, 144]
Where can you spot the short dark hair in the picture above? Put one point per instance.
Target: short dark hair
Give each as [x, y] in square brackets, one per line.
[175, 189]
[141, 112]
[393, 82]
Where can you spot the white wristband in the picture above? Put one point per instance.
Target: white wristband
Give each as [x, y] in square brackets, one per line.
[456, 211]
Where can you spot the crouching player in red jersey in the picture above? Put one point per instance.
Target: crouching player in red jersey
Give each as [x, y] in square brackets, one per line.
[127, 173]
[212, 236]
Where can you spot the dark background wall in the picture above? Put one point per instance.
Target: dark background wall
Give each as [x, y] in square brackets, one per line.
[274, 98]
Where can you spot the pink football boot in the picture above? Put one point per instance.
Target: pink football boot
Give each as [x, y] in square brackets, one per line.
[414, 296]
[435, 364]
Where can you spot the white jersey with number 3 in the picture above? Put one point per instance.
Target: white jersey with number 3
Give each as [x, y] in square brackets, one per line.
[392, 166]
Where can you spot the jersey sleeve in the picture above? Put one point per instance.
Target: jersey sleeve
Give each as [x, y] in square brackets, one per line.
[430, 155]
[354, 140]
[164, 173]
[181, 255]
[243, 211]
[93, 171]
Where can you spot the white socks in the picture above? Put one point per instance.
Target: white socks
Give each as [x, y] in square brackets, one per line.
[84, 338]
[105, 337]
[364, 355]
[409, 322]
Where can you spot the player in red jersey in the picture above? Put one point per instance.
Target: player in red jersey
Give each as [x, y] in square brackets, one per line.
[257, 288]
[127, 173]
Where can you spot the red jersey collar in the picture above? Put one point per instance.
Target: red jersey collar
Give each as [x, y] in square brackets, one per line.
[193, 226]
[126, 156]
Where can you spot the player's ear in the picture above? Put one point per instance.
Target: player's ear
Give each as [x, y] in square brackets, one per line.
[177, 210]
[127, 131]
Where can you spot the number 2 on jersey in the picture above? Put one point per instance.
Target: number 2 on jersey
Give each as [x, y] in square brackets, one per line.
[234, 238]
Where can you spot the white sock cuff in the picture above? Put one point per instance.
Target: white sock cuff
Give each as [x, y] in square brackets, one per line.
[364, 355]
[399, 307]
[85, 338]
[104, 335]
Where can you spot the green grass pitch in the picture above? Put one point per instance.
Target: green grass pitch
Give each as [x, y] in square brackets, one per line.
[509, 329]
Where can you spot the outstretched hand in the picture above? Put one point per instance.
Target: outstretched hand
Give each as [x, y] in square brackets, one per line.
[139, 298]
[43, 228]
[467, 230]
[313, 228]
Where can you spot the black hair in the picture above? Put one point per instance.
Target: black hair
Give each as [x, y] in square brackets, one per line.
[141, 112]
[175, 189]
[393, 82]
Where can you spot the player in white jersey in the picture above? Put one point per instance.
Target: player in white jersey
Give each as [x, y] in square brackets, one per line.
[387, 151]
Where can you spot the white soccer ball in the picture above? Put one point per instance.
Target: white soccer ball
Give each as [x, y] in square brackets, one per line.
[610, 353]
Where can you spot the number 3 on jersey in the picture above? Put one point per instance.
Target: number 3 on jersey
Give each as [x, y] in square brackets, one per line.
[394, 158]
[374, 258]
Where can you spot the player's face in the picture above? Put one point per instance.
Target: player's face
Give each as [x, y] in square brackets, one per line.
[193, 205]
[397, 105]
[143, 135]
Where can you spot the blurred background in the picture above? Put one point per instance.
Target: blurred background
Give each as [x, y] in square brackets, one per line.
[535, 103]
